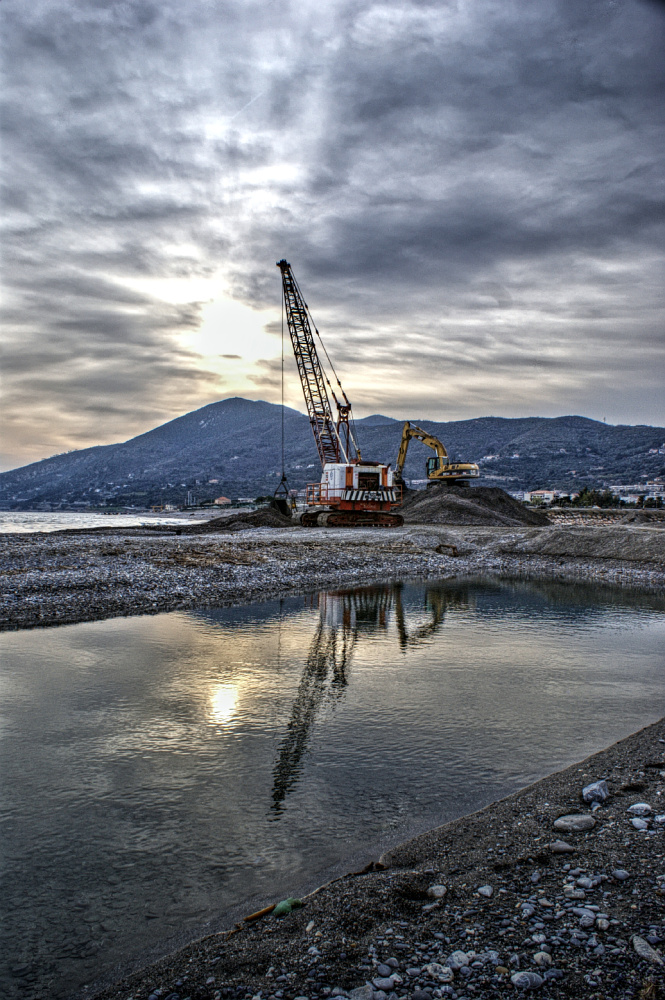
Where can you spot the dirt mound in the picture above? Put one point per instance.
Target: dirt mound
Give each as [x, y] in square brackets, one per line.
[265, 517]
[482, 505]
[645, 517]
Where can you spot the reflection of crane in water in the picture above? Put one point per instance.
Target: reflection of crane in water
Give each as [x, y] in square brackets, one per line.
[343, 616]
[437, 602]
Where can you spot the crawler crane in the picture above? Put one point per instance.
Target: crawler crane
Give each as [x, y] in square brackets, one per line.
[439, 469]
[352, 492]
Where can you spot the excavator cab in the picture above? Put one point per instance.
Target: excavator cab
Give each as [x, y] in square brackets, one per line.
[435, 463]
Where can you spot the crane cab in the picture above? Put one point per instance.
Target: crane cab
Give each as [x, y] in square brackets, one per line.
[347, 486]
[355, 488]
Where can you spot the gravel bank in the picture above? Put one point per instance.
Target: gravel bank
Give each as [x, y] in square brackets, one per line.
[614, 515]
[494, 904]
[65, 577]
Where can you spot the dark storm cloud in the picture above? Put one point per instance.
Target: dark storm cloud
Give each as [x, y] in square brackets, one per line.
[458, 186]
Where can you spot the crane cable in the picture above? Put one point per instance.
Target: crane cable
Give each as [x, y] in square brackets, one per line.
[282, 492]
[283, 470]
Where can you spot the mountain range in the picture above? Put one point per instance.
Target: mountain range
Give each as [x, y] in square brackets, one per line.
[233, 448]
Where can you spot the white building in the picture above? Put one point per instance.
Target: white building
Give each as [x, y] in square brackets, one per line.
[540, 496]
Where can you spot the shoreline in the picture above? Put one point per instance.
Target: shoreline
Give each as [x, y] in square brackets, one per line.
[67, 577]
[595, 908]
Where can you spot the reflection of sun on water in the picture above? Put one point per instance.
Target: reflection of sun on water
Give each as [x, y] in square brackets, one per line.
[223, 703]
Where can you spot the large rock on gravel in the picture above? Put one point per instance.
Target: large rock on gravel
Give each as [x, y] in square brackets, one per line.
[481, 505]
[574, 823]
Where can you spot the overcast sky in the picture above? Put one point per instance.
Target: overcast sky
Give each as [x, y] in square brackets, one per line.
[470, 194]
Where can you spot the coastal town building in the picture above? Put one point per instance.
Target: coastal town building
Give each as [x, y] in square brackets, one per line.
[540, 496]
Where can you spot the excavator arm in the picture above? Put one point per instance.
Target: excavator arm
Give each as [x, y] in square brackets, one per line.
[439, 469]
[412, 431]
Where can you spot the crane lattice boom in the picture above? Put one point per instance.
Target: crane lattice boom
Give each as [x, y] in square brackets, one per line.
[327, 439]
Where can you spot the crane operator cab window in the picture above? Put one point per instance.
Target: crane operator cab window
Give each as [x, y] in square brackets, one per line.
[368, 481]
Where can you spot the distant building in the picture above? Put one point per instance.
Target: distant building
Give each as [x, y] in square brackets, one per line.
[220, 501]
[540, 496]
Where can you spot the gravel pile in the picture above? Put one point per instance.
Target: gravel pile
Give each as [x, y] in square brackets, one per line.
[645, 517]
[444, 504]
[542, 892]
[265, 517]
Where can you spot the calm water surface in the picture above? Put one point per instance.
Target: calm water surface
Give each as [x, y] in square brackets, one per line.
[157, 771]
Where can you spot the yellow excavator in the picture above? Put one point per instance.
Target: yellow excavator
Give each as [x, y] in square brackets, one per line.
[439, 469]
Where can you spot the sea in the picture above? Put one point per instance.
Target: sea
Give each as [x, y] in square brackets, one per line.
[14, 522]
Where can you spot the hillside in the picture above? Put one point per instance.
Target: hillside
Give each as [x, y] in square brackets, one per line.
[238, 443]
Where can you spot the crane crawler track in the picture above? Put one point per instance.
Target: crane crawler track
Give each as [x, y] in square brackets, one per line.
[350, 519]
